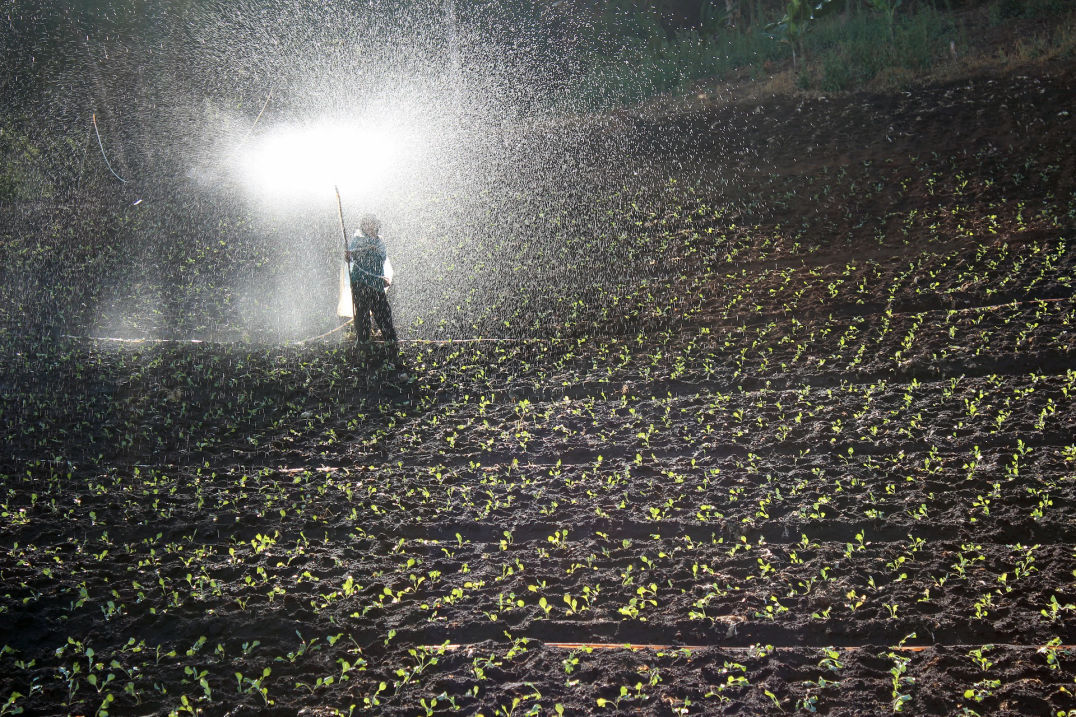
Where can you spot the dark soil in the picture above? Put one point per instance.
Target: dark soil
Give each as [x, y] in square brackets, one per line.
[807, 436]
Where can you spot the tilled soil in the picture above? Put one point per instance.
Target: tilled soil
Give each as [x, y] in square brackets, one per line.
[806, 445]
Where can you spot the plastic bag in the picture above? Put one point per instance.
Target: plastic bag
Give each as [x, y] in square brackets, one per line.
[345, 307]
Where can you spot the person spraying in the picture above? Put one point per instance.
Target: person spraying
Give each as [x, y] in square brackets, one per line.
[371, 276]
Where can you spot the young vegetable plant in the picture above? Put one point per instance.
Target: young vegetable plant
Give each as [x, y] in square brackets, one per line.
[900, 680]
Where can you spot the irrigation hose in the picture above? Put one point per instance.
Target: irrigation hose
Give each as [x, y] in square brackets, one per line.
[549, 340]
[298, 342]
[321, 336]
[102, 146]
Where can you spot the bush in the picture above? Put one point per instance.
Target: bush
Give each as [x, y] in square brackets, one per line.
[921, 40]
[854, 51]
[647, 65]
[839, 73]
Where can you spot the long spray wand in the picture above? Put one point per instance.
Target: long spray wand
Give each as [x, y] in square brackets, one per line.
[343, 233]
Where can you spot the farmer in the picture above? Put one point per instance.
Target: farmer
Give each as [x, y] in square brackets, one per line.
[366, 256]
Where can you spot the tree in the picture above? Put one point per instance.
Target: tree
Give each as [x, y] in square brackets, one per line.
[798, 18]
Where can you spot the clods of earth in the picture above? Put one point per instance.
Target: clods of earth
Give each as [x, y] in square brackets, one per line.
[799, 435]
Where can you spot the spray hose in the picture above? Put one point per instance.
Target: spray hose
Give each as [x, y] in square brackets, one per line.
[474, 340]
[369, 273]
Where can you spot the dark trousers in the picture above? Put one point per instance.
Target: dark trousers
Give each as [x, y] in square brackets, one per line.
[368, 299]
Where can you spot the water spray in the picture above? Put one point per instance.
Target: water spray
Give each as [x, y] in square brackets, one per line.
[251, 130]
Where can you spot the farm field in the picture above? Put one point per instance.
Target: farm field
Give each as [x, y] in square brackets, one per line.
[799, 435]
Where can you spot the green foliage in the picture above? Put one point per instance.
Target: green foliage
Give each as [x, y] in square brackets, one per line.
[798, 19]
[23, 165]
[1001, 11]
[633, 57]
[888, 11]
[852, 53]
[643, 64]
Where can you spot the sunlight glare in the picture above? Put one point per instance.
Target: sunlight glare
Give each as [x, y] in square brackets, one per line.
[302, 161]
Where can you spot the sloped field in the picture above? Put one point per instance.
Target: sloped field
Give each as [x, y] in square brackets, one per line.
[807, 441]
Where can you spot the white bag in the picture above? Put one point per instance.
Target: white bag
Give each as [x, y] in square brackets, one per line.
[388, 269]
[345, 307]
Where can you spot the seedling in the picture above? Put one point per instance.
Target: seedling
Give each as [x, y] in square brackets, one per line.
[978, 656]
[1053, 609]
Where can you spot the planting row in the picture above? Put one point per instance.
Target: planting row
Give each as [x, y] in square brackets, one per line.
[125, 402]
[489, 678]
